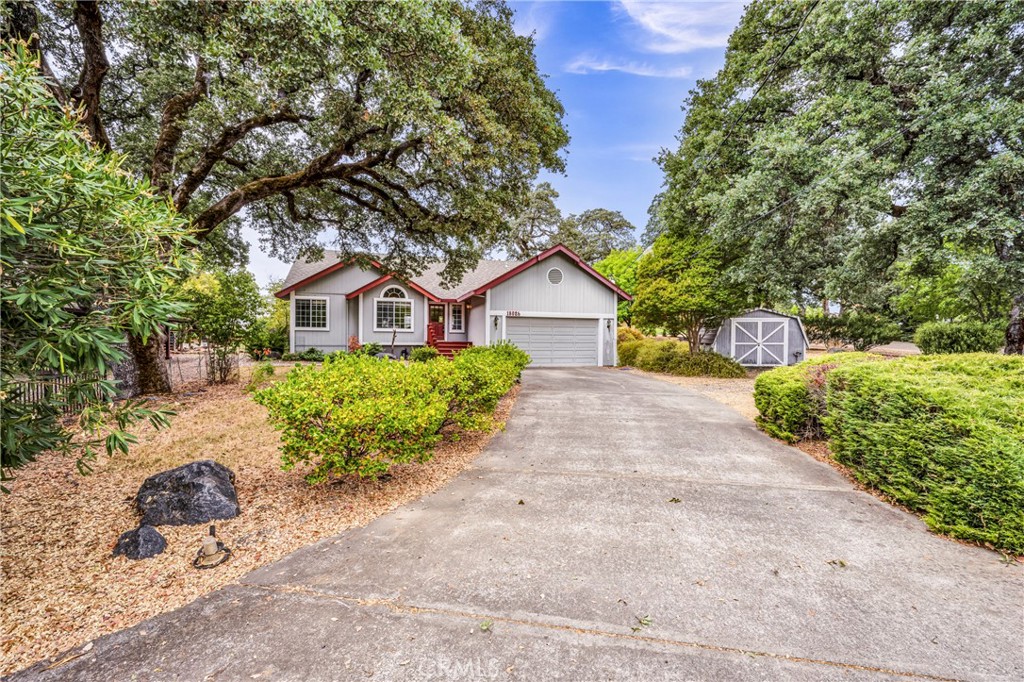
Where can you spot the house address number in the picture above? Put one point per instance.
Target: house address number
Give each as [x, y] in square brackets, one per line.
[512, 313]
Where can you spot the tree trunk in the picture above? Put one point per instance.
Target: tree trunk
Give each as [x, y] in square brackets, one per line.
[1015, 330]
[153, 375]
[693, 336]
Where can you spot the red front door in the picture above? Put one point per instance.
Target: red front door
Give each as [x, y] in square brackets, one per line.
[435, 324]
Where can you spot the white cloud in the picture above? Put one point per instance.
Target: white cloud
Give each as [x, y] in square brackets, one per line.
[537, 19]
[586, 64]
[676, 27]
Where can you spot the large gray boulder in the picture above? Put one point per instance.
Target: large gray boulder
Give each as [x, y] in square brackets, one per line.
[194, 493]
[141, 543]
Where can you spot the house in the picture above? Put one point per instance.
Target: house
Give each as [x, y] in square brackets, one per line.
[761, 338]
[554, 306]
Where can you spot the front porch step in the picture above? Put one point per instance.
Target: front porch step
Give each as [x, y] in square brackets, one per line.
[449, 348]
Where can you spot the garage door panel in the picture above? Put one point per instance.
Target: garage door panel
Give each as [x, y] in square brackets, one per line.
[555, 341]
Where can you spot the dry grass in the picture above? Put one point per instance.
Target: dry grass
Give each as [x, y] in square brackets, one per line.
[61, 586]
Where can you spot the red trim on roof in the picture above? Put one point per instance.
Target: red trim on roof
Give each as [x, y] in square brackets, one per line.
[380, 280]
[323, 273]
[557, 248]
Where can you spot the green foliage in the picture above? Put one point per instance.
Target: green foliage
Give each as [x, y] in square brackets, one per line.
[89, 256]
[225, 306]
[596, 233]
[359, 415]
[794, 184]
[260, 373]
[680, 288]
[625, 334]
[943, 435]
[620, 267]
[368, 349]
[423, 122]
[791, 400]
[862, 330]
[308, 355]
[673, 357]
[958, 337]
[270, 331]
[424, 354]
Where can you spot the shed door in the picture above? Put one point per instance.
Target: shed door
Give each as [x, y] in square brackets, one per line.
[759, 343]
[554, 341]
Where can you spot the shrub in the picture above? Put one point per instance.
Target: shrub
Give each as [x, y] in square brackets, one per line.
[791, 400]
[864, 331]
[309, 355]
[626, 333]
[368, 349]
[628, 352]
[260, 373]
[958, 337]
[859, 329]
[424, 354]
[942, 435]
[674, 357]
[358, 415]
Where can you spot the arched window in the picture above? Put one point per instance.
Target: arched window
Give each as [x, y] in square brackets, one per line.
[392, 311]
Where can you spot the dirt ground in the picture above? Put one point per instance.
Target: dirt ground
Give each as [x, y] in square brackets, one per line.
[60, 585]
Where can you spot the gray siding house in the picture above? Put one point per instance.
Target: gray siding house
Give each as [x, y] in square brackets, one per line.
[761, 338]
[554, 306]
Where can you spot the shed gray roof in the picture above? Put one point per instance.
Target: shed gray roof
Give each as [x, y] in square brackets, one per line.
[484, 272]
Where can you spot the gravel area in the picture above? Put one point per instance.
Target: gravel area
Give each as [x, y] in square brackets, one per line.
[736, 393]
[61, 586]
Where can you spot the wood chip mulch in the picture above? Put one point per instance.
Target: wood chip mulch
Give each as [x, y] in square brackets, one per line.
[60, 585]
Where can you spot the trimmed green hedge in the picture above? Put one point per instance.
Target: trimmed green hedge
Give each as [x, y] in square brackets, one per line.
[958, 337]
[791, 399]
[424, 353]
[358, 414]
[943, 435]
[673, 357]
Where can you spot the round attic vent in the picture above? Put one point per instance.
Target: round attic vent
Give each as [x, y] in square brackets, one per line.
[555, 276]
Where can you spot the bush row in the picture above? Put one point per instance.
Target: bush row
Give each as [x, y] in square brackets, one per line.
[943, 435]
[791, 400]
[958, 337]
[674, 357]
[357, 414]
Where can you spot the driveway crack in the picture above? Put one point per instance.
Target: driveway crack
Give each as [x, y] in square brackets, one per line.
[398, 606]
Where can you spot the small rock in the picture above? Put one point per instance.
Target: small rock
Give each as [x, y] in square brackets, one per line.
[198, 492]
[141, 543]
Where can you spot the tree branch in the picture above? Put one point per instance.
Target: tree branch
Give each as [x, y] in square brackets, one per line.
[171, 129]
[94, 68]
[228, 138]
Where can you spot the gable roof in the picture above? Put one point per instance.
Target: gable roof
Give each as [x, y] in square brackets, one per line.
[486, 274]
[305, 272]
[544, 255]
[380, 280]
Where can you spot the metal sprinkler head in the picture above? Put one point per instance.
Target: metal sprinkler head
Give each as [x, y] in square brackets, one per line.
[212, 552]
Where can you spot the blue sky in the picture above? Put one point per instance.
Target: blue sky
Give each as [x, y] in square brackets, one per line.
[622, 71]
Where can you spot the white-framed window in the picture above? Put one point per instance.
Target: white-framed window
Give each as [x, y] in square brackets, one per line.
[457, 318]
[392, 311]
[311, 312]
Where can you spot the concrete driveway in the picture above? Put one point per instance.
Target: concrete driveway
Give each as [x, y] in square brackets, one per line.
[621, 528]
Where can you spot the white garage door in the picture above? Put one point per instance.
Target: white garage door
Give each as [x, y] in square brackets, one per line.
[554, 341]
